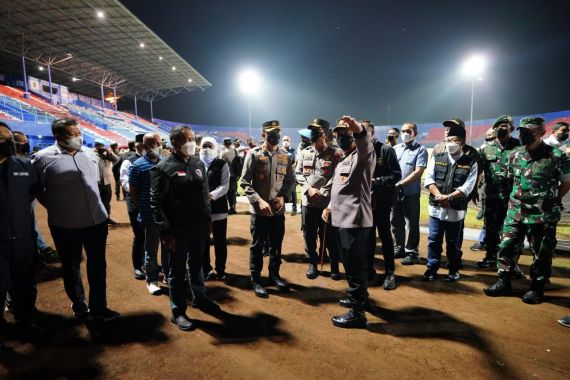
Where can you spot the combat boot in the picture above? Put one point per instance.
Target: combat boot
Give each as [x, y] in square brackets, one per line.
[257, 288]
[312, 272]
[352, 319]
[281, 285]
[502, 287]
[535, 293]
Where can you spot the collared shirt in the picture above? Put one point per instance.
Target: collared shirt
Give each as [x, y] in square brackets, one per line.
[450, 214]
[315, 169]
[139, 176]
[411, 157]
[105, 167]
[70, 190]
[553, 141]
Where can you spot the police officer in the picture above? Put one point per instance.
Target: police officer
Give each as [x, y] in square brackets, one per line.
[287, 148]
[231, 156]
[18, 252]
[541, 177]
[315, 168]
[267, 179]
[386, 174]
[181, 209]
[350, 211]
[494, 157]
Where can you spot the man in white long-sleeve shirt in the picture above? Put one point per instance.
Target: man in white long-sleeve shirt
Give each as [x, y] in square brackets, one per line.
[451, 177]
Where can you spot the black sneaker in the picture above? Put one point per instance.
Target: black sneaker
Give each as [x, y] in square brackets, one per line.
[106, 315]
[478, 247]
[183, 322]
[487, 262]
[399, 253]
[410, 260]
[565, 321]
[80, 310]
[389, 281]
[453, 277]
[351, 319]
[336, 276]
[139, 274]
[430, 275]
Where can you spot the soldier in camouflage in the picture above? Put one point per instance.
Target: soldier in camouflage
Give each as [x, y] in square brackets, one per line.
[541, 177]
[494, 158]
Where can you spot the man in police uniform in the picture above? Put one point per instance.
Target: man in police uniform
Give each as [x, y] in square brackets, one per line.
[18, 187]
[181, 209]
[350, 210]
[315, 168]
[267, 179]
[230, 154]
[541, 178]
[494, 157]
[386, 174]
[287, 148]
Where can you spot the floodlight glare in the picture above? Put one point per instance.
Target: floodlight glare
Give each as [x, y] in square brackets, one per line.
[100, 14]
[474, 66]
[249, 82]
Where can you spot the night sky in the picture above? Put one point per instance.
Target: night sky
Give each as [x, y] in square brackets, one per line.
[386, 61]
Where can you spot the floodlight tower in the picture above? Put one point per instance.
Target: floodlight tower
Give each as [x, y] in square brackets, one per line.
[249, 83]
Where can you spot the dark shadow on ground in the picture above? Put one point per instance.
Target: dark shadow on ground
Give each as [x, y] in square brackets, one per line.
[424, 323]
[238, 329]
[49, 272]
[299, 258]
[61, 349]
[236, 240]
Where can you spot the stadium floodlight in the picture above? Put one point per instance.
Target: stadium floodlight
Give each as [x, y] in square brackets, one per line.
[141, 45]
[249, 83]
[41, 68]
[74, 79]
[160, 58]
[100, 14]
[173, 68]
[473, 67]
[189, 80]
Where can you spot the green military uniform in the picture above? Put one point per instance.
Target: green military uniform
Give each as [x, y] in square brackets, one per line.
[533, 211]
[494, 159]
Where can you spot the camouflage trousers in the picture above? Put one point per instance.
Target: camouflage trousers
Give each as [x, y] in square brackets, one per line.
[542, 239]
[495, 213]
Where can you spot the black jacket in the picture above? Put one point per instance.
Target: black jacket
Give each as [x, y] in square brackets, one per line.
[18, 185]
[220, 205]
[179, 193]
[387, 171]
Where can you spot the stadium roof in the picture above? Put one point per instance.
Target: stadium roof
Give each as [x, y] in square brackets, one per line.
[93, 41]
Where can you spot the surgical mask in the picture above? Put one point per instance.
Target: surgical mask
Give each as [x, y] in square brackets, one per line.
[407, 137]
[345, 142]
[273, 139]
[286, 144]
[154, 152]
[502, 133]
[562, 137]
[74, 143]
[189, 149]
[23, 149]
[526, 137]
[391, 138]
[452, 148]
[8, 148]
[207, 155]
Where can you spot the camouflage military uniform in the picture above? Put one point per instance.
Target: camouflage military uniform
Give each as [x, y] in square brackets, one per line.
[534, 208]
[498, 185]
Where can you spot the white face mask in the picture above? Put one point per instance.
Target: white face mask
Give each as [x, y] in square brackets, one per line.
[452, 147]
[207, 154]
[286, 144]
[407, 137]
[154, 152]
[73, 143]
[188, 149]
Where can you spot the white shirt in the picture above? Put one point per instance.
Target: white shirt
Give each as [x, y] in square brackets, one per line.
[221, 191]
[553, 141]
[450, 214]
[124, 174]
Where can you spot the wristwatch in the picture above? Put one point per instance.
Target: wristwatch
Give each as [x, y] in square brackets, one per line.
[450, 197]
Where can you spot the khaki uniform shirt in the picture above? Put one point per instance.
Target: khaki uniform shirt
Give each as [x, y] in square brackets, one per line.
[315, 169]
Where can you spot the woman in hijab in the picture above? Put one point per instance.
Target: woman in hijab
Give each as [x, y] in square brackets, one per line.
[219, 182]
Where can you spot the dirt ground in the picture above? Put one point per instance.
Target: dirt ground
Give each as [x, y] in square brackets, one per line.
[419, 330]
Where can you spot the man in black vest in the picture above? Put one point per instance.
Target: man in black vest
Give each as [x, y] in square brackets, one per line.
[451, 177]
[384, 178]
[18, 251]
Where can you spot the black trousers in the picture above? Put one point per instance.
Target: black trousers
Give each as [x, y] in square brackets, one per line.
[106, 194]
[232, 193]
[219, 232]
[18, 273]
[314, 226]
[381, 213]
[186, 260]
[137, 250]
[70, 244]
[266, 228]
[118, 189]
[354, 244]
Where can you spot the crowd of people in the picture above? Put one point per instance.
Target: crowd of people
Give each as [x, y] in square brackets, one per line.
[352, 187]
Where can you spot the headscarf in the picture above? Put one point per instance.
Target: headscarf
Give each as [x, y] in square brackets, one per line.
[207, 160]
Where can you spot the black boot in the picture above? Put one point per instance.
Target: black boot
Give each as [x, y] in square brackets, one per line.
[535, 293]
[502, 287]
[312, 272]
[351, 319]
[281, 285]
[257, 288]
[345, 302]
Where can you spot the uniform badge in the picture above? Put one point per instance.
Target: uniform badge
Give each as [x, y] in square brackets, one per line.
[199, 173]
[181, 173]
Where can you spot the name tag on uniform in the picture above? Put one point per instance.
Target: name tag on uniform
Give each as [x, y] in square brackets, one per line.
[326, 164]
[181, 173]
[282, 158]
[21, 174]
[281, 169]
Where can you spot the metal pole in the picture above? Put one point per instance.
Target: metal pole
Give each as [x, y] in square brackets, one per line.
[102, 97]
[115, 98]
[49, 79]
[249, 113]
[151, 112]
[471, 118]
[27, 90]
[136, 110]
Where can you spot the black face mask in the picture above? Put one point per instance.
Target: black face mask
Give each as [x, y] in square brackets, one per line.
[345, 142]
[391, 138]
[8, 148]
[526, 137]
[562, 137]
[23, 149]
[502, 133]
[273, 139]
[315, 136]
